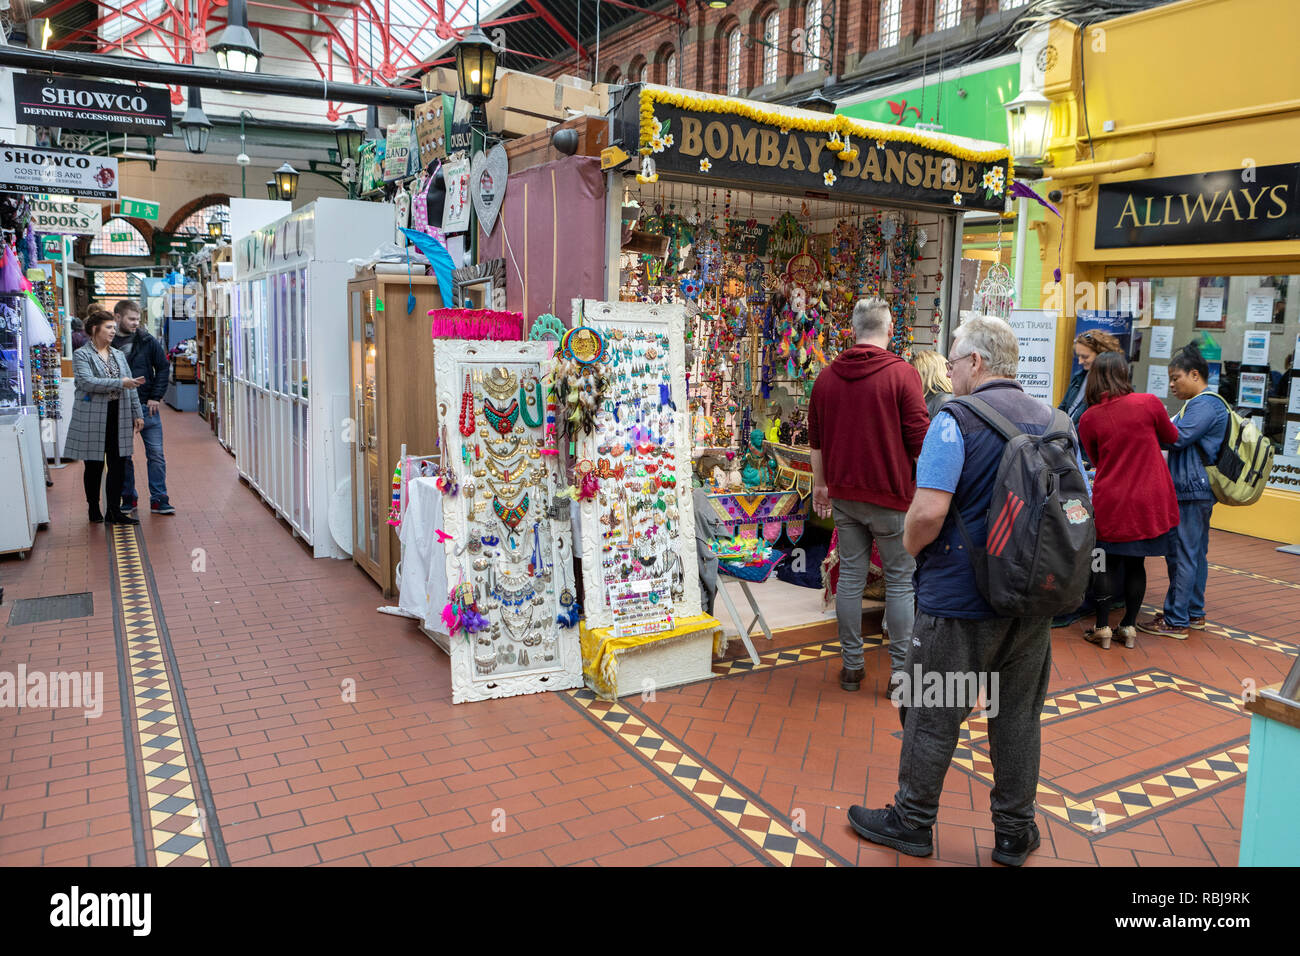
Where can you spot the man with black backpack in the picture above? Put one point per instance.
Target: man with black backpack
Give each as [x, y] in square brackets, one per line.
[1002, 529]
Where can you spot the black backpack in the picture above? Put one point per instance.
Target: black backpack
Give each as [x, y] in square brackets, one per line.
[1038, 558]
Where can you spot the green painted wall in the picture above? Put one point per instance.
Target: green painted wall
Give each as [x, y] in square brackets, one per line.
[979, 114]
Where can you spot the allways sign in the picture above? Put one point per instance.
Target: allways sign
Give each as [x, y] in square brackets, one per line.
[26, 169]
[43, 100]
[1254, 204]
[730, 149]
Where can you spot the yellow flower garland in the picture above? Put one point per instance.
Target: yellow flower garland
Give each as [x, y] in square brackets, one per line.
[837, 126]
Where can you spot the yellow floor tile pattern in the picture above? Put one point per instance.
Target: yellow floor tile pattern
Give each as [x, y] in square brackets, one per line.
[175, 834]
[1131, 800]
[776, 841]
[1254, 576]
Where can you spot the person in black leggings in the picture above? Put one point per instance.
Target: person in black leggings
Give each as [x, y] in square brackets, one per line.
[1133, 496]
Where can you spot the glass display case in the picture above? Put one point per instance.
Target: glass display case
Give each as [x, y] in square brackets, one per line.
[288, 327]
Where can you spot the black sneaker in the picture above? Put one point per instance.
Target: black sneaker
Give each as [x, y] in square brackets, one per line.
[885, 827]
[852, 679]
[162, 508]
[1012, 850]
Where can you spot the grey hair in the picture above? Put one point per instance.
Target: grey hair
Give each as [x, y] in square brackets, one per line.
[993, 339]
[870, 317]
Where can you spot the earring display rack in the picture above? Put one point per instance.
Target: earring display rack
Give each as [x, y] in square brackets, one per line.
[639, 558]
[509, 555]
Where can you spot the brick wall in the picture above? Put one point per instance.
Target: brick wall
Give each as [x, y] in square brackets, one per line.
[700, 42]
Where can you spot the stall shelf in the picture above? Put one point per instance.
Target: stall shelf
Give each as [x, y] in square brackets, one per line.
[393, 404]
[289, 336]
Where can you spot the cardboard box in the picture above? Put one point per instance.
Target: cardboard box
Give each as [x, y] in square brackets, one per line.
[440, 80]
[529, 151]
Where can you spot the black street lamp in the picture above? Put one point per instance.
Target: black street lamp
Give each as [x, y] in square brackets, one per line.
[286, 182]
[818, 102]
[237, 50]
[476, 72]
[348, 135]
[195, 125]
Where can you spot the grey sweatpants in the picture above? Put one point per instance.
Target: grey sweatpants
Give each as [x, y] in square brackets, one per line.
[859, 523]
[1019, 652]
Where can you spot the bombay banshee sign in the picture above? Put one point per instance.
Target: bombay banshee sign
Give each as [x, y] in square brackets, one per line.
[721, 147]
[43, 100]
[26, 169]
[1251, 204]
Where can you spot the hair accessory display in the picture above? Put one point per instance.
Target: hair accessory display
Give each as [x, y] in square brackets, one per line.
[478, 324]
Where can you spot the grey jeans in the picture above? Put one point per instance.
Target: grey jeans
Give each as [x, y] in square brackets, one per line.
[1019, 652]
[859, 523]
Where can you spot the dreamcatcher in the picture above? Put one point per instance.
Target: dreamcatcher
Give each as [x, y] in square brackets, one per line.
[996, 293]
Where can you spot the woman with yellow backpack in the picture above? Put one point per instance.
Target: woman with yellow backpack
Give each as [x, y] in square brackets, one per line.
[1202, 426]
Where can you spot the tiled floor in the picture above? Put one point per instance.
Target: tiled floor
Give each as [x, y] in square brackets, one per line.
[295, 725]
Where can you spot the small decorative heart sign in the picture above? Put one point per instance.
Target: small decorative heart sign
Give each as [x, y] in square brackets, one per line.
[487, 185]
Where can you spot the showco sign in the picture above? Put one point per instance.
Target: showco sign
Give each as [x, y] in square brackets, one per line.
[66, 218]
[43, 100]
[26, 169]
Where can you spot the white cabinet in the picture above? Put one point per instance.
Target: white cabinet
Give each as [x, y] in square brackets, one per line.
[289, 351]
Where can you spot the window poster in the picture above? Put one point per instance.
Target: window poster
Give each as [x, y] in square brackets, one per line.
[1294, 407]
[1036, 334]
[1259, 305]
[1254, 348]
[1162, 341]
[1253, 388]
[1216, 375]
[1158, 381]
[1291, 446]
[1165, 307]
[1209, 307]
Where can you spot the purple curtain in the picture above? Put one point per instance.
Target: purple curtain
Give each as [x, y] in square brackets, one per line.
[551, 232]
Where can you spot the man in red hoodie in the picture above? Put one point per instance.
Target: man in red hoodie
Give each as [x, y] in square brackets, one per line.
[866, 424]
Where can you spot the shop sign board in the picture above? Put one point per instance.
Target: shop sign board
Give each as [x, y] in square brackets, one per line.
[397, 155]
[747, 236]
[1251, 204]
[66, 218]
[1036, 334]
[52, 248]
[26, 169]
[713, 147]
[138, 209]
[73, 103]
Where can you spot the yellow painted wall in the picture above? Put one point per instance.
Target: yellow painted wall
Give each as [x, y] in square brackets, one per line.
[1204, 85]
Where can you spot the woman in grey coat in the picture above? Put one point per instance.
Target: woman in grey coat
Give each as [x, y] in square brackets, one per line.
[105, 415]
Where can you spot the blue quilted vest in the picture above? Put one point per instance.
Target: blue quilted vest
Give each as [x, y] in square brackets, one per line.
[945, 577]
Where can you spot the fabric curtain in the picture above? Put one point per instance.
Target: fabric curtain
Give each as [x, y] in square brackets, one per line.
[551, 232]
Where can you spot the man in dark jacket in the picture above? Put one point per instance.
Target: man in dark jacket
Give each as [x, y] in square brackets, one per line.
[958, 635]
[149, 361]
[866, 424]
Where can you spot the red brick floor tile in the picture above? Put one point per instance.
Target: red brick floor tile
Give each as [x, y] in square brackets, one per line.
[400, 775]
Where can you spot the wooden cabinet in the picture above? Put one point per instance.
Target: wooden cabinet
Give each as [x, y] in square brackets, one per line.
[392, 405]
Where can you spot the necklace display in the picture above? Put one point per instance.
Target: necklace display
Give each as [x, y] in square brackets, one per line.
[514, 545]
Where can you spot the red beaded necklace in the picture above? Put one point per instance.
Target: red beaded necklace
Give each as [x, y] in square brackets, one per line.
[467, 410]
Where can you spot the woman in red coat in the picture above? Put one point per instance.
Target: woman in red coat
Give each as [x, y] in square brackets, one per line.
[1133, 496]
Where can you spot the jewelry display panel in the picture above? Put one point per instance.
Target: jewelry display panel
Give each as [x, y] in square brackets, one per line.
[638, 542]
[511, 616]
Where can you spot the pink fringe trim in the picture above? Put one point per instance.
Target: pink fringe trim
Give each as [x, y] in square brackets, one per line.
[477, 324]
